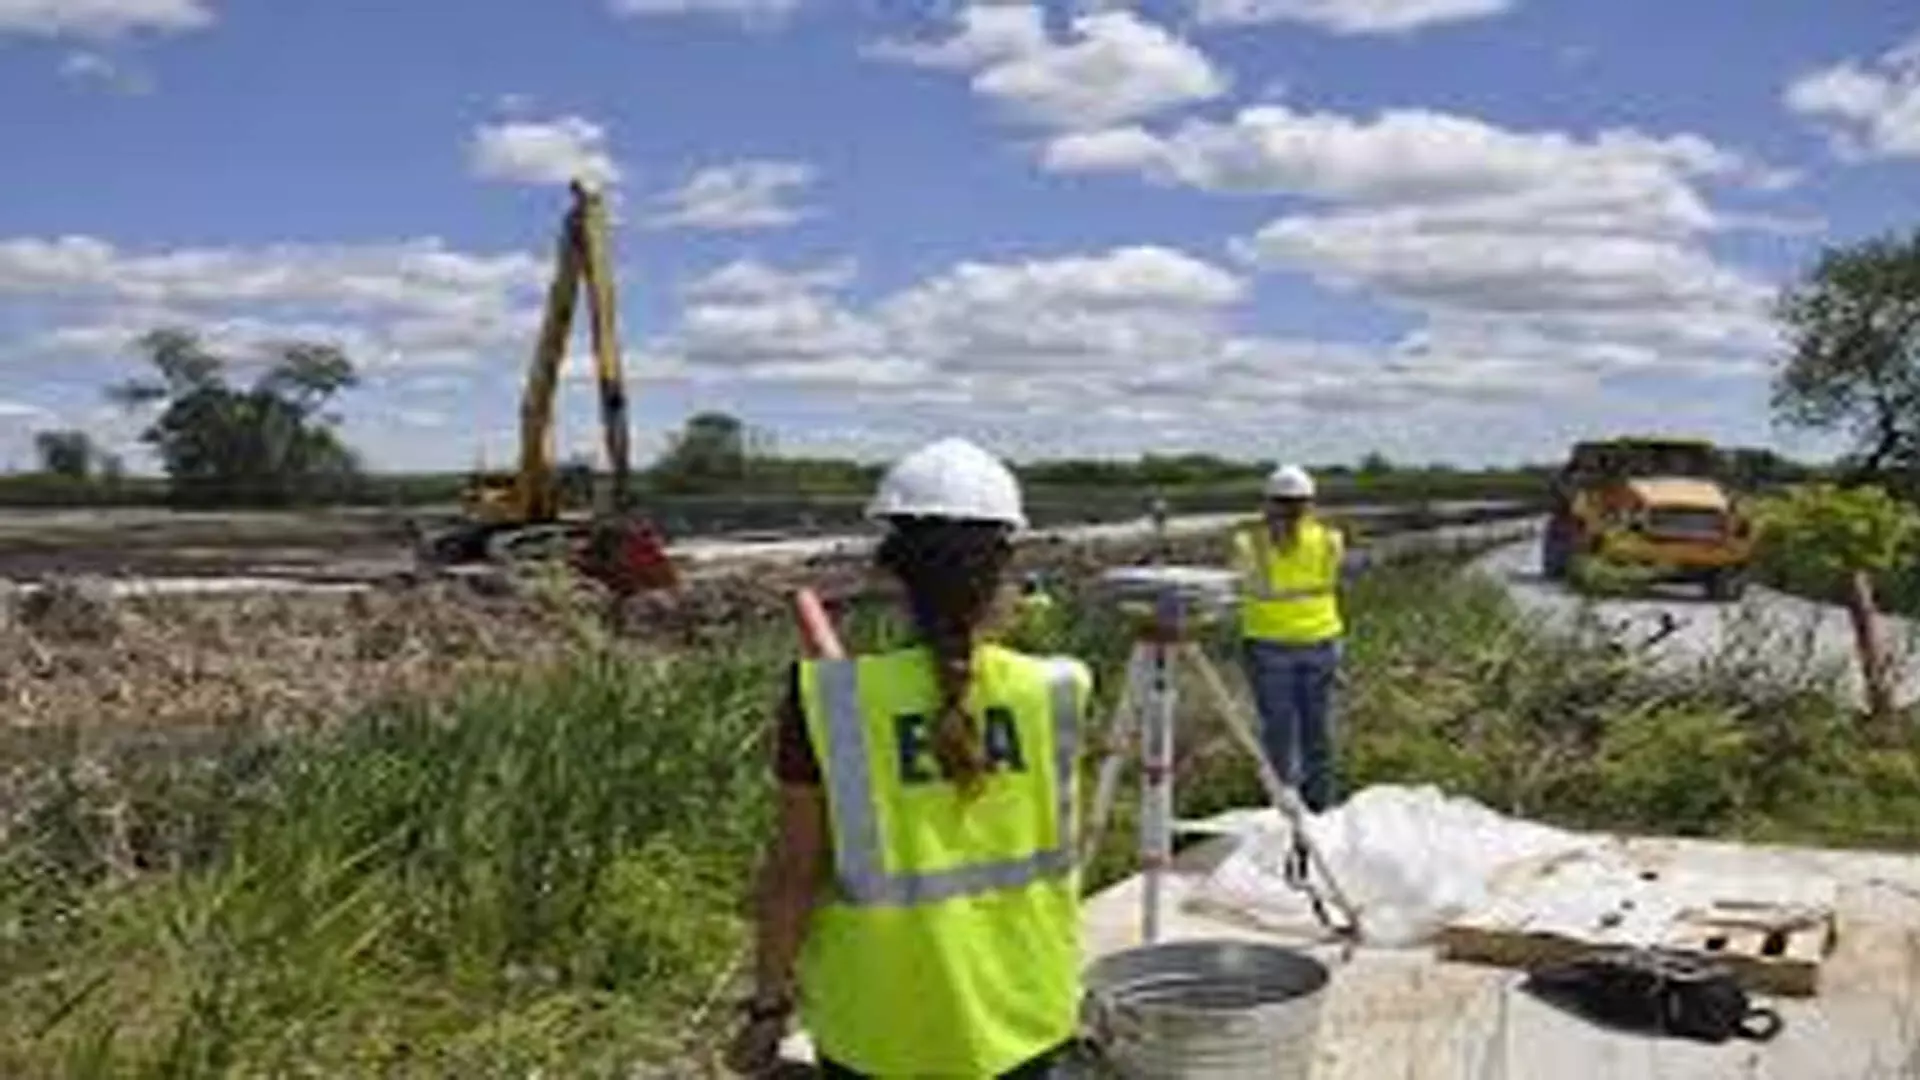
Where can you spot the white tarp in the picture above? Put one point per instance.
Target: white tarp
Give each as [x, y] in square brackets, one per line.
[1415, 860]
[1411, 858]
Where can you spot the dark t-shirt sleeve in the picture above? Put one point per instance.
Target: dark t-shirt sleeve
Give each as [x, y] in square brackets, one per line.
[793, 760]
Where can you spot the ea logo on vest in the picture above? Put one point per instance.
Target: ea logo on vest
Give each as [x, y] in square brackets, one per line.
[913, 745]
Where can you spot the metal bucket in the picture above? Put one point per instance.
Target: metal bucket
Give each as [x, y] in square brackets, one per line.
[1189, 1010]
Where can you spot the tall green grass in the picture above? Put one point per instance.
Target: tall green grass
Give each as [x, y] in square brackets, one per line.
[541, 872]
[547, 873]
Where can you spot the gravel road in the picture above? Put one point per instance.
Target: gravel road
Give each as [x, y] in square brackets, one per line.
[1797, 638]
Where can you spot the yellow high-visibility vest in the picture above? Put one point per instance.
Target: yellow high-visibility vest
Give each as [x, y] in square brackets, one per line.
[1034, 614]
[1292, 596]
[949, 942]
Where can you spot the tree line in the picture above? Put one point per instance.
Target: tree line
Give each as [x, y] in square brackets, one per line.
[1852, 367]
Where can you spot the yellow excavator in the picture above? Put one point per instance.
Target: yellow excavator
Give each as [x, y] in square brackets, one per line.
[513, 517]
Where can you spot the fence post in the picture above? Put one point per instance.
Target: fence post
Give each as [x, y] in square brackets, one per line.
[1873, 655]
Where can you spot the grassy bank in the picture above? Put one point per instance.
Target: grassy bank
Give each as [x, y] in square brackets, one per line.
[542, 869]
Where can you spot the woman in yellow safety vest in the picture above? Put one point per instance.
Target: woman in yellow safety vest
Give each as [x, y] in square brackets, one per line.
[1036, 618]
[1291, 630]
[919, 904]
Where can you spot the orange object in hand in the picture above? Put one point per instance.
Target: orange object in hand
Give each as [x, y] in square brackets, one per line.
[817, 634]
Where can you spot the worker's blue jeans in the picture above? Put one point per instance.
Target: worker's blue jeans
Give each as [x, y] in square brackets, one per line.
[1293, 690]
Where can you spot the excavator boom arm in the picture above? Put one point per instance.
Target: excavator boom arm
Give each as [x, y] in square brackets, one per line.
[606, 343]
[535, 494]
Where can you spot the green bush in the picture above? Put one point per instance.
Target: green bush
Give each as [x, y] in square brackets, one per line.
[1598, 577]
[1686, 769]
[1813, 537]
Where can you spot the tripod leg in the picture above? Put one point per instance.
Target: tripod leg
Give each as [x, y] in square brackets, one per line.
[1156, 782]
[1123, 727]
[1284, 798]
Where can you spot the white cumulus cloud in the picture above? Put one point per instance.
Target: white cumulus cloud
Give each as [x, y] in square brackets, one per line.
[1398, 155]
[1868, 110]
[98, 69]
[1503, 238]
[1110, 67]
[751, 11]
[99, 19]
[1112, 350]
[554, 151]
[1061, 353]
[409, 303]
[753, 194]
[20, 410]
[750, 279]
[982, 34]
[1087, 316]
[1349, 16]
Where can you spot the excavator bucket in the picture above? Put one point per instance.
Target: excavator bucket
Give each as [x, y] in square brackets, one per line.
[629, 557]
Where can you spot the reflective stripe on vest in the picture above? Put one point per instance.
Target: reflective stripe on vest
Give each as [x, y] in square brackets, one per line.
[1293, 595]
[859, 862]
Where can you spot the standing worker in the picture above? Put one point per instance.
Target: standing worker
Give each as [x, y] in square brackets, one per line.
[1035, 615]
[1291, 631]
[1157, 513]
[920, 901]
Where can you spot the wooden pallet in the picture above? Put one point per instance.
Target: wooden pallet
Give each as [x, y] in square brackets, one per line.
[1774, 944]
[1770, 948]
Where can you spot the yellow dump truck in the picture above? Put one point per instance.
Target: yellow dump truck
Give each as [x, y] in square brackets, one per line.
[1655, 505]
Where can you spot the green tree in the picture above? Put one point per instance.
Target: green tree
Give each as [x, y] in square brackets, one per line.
[66, 454]
[1750, 467]
[574, 478]
[708, 454]
[111, 471]
[1854, 362]
[267, 444]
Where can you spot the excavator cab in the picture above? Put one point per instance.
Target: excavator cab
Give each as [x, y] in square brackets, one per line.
[488, 496]
[509, 517]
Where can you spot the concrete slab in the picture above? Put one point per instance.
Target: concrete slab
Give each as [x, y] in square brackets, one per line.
[1407, 1014]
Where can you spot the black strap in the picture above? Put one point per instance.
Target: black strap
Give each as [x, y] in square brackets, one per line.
[1760, 1024]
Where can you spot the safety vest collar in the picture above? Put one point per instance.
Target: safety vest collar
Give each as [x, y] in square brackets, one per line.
[860, 867]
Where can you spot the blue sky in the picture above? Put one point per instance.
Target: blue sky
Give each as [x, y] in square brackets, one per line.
[1463, 230]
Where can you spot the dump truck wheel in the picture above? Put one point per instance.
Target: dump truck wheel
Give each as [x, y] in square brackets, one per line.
[1727, 586]
[1555, 554]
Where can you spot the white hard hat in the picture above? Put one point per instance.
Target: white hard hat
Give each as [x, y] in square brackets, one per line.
[951, 478]
[1289, 482]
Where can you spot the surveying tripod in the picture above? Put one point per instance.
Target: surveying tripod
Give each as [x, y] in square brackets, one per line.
[1169, 604]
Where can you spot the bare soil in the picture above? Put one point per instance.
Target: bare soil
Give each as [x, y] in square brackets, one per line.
[376, 544]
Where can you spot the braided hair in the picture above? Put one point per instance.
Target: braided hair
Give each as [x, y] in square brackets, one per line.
[952, 572]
